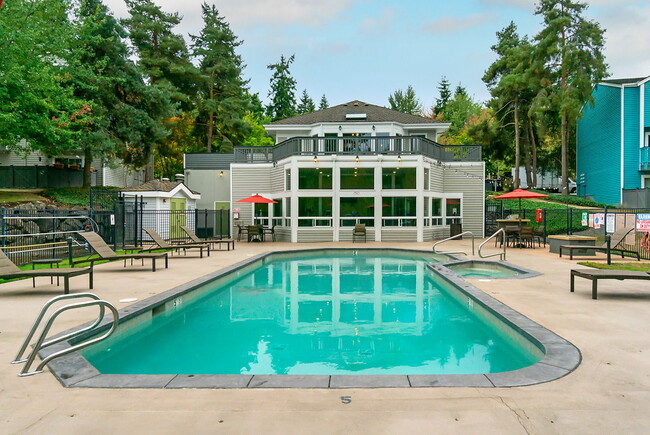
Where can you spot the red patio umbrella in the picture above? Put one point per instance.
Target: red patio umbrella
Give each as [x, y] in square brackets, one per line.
[521, 193]
[257, 199]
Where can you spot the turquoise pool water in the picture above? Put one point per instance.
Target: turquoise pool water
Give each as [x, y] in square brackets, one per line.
[344, 312]
[483, 269]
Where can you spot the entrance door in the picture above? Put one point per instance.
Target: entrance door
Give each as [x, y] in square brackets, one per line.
[177, 208]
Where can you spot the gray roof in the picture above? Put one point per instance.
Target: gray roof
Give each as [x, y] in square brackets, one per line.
[156, 186]
[337, 114]
[214, 161]
[624, 81]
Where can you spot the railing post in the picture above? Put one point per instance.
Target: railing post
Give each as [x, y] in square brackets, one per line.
[70, 256]
[3, 224]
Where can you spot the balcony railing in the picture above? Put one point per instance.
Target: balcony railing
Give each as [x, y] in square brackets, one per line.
[358, 146]
[644, 159]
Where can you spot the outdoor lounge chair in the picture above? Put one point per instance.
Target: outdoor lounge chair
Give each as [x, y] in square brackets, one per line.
[359, 231]
[196, 239]
[8, 270]
[616, 245]
[160, 243]
[106, 253]
[595, 274]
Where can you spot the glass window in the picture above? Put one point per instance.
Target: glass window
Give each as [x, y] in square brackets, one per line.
[358, 206]
[308, 207]
[398, 178]
[453, 207]
[287, 179]
[436, 207]
[277, 208]
[426, 206]
[357, 178]
[398, 206]
[315, 178]
[261, 210]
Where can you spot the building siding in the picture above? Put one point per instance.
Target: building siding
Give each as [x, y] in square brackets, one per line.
[312, 235]
[468, 180]
[399, 234]
[632, 121]
[599, 145]
[436, 179]
[277, 179]
[646, 105]
[246, 182]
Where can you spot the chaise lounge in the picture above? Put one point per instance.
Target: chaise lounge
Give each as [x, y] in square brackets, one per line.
[8, 270]
[196, 239]
[595, 274]
[161, 243]
[616, 245]
[106, 253]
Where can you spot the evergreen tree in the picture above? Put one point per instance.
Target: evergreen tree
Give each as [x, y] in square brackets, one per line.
[224, 99]
[324, 104]
[282, 90]
[306, 104]
[460, 91]
[405, 102]
[444, 89]
[570, 51]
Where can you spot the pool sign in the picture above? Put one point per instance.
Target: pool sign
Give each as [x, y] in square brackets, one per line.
[643, 222]
[585, 219]
[599, 219]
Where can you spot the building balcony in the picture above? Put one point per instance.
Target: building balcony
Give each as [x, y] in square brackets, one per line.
[644, 159]
[358, 146]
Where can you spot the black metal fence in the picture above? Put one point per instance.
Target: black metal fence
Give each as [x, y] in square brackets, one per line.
[33, 177]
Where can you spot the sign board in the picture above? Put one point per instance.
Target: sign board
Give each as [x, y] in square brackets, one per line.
[236, 209]
[585, 219]
[599, 219]
[643, 222]
[610, 223]
[112, 219]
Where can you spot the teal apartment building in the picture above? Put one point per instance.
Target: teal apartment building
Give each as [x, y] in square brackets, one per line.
[613, 143]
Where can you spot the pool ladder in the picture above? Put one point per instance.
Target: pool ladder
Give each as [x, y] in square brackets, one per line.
[502, 255]
[451, 238]
[41, 343]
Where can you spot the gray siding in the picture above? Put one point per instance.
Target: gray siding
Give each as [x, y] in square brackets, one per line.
[282, 235]
[220, 161]
[435, 233]
[277, 179]
[399, 235]
[121, 176]
[468, 180]
[210, 185]
[246, 182]
[436, 178]
[307, 235]
[345, 235]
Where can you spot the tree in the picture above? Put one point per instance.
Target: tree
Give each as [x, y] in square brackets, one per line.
[459, 111]
[306, 104]
[460, 91]
[162, 55]
[444, 89]
[405, 102]
[324, 104]
[121, 115]
[282, 90]
[570, 52]
[224, 97]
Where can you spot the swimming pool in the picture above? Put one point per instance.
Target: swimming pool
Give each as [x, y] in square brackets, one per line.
[489, 269]
[323, 314]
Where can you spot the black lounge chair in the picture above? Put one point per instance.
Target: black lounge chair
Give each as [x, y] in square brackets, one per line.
[8, 270]
[196, 239]
[106, 253]
[595, 274]
[616, 245]
[160, 243]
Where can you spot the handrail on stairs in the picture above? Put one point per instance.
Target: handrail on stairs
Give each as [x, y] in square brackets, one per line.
[502, 255]
[452, 238]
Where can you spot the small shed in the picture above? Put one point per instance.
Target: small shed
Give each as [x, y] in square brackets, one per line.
[166, 206]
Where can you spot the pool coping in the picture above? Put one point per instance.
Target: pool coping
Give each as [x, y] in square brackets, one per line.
[560, 356]
[527, 273]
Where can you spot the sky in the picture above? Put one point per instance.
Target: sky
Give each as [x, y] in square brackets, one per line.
[366, 49]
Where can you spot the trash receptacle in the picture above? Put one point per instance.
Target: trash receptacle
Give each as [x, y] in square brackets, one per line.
[455, 229]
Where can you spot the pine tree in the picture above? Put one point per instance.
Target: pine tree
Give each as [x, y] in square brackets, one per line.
[460, 91]
[405, 102]
[282, 90]
[444, 89]
[324, 104]
[570, 51]
[224, 98]
[306, 104]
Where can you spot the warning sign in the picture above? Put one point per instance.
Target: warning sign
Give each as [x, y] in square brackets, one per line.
[643, 222]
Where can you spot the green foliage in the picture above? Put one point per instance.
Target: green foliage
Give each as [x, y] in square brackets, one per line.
[573, 200]
[405, 101]
[181, 140]
[224, 99]
[324, 104]
[73, 196]
[282, 90]
[444, 89]
[459, 111]
[258, 135]
[306, 104]
[636, 266]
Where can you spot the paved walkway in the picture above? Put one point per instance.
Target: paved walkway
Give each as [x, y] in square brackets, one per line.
[609, 392]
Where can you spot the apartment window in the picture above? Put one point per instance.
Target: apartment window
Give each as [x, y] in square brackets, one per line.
[315, 178]
[311, 208]
[357, 210]
[399, 208]
[357, 178]
[453, 207]
[398, 178]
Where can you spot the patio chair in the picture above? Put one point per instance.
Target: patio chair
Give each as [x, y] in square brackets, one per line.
[255, 233]
[359, 231]
[8, 270]
[161, 243]
[526, 236]
[616, 245]
[540, 235]
[106, 253]
[241, 230]
[211, 241]
[271, 231]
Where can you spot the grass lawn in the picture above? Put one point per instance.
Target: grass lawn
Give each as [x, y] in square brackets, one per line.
[641, 267]
[11, 197]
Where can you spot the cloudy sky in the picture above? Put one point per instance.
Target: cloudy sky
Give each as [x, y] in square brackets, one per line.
[366, 49]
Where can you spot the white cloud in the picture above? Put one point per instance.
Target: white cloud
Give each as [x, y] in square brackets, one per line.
[380, 23]
[627, 40]
[449, 24]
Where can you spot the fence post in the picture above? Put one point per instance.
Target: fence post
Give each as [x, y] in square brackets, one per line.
[70, 251]
[608, 238]
[4, 225]
[54, 229]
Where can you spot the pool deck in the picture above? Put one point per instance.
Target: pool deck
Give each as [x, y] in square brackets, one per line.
[608, 392]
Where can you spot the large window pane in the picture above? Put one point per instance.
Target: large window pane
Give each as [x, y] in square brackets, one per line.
[308, 207]
[261, 210]
[453, 207]
[398, 178]
[315, 178]
[357, 207]
[357, 178]
[277, 208]
[436, 207]
[398, 206]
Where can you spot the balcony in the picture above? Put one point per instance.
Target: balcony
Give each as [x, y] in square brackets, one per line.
[644, 159]
[358, 146]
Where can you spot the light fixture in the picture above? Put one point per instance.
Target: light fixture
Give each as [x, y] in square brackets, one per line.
[356, 159]
[221, 174]
[399, 157]
[373, 128]
[340, 128]
[315, 158]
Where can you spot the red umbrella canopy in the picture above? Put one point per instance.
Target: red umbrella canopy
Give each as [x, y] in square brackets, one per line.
[257, 199]
[521, 193]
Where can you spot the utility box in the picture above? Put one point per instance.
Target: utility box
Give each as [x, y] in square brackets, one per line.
[455, 229]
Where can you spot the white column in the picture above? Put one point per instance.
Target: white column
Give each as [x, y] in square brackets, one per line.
[378, 201]
[419, 199]
[336, 201]
[293, 201]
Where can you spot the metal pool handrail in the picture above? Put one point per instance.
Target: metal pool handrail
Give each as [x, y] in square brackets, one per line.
[451, 238]
[502, 255]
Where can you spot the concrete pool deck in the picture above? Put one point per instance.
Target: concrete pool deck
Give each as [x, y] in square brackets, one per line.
[609, 391]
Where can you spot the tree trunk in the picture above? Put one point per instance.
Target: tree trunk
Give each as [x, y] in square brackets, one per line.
[517, 152]
[211, 116]
[88, 160]
[529, 178]
[565, 173]
[533, 145]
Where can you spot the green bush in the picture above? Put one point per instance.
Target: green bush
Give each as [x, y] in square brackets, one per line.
[573, 200]
[74, 196]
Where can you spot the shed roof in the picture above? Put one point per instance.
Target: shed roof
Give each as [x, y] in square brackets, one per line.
[624, 81]
[157, 186]
[338, 114]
